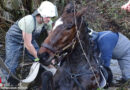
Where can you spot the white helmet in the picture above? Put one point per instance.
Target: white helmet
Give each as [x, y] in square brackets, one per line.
[47, 9]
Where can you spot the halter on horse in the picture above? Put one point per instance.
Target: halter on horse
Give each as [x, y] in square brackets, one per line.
[70, 43]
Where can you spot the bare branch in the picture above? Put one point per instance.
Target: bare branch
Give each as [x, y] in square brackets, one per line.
[4, 7]
[10, 21]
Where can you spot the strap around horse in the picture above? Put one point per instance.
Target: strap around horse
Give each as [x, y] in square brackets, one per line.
[74, 77]
[48, 47]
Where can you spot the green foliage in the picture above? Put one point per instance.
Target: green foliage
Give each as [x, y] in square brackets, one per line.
[100, 89]
[107, 15]
[16, 4]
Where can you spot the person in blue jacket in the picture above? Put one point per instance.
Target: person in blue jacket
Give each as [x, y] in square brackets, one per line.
[114, 45]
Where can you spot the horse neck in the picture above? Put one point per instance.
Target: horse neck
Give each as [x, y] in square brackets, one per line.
[76, 61]
[77, 56]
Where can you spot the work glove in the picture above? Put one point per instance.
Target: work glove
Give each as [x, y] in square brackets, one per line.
[36, 59]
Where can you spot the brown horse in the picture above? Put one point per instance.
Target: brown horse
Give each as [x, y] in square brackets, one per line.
[70, 44]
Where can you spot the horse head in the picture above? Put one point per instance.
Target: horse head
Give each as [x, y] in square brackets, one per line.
[69, 41]
[63, 34]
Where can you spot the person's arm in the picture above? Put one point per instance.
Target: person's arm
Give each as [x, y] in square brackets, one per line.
[27, 42]
[106, 53]
[106, 45]
[26, 24]
[126, 6]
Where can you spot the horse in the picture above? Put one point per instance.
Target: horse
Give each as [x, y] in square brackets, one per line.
[71, 46]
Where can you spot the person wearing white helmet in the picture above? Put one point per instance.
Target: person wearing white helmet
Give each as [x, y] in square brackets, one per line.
[24, 32]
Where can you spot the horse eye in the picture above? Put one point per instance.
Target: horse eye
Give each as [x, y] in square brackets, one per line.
[69, 26]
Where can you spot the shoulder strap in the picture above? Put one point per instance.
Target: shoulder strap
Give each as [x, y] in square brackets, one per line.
[34, 22]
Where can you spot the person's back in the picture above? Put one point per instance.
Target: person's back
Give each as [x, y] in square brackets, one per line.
[122, 46]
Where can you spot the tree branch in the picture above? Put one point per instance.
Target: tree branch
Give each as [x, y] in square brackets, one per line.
[10, 21]
[4, 7]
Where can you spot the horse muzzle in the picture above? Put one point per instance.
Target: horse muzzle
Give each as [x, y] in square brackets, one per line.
[45, 58]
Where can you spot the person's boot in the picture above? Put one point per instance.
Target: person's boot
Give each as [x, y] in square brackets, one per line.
[121, 81]
[124, 83]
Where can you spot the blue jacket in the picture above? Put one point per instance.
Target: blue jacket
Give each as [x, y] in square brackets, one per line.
[106, 42]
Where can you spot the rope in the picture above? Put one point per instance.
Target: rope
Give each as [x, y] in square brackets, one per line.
[23, 58]
[82, 46]
[23, 54]
[24, 47]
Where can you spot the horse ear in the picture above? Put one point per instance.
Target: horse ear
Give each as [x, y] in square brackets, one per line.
[81, 12]
[69, 8]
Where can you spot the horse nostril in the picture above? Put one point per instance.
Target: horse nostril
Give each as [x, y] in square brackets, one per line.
[44, 58]
[45, 55]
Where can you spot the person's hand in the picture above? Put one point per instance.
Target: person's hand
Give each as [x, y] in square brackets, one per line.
[36, 59]
[126, 7]
[53, 62]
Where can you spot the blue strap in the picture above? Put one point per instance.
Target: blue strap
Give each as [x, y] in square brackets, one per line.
[34, 22]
